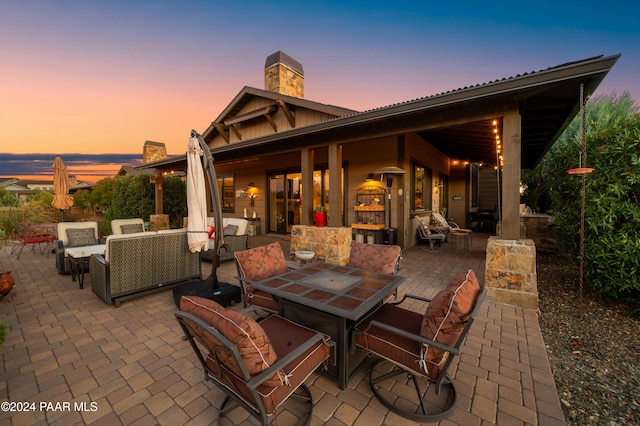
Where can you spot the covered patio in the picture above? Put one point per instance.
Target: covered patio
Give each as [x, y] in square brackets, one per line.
[128, 365]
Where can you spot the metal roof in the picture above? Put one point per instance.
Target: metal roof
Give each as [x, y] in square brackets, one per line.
[547, 100]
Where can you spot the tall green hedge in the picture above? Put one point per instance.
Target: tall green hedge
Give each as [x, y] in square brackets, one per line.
[134, 196]
[612, 212]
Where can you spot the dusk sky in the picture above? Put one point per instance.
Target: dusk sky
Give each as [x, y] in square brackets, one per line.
[102, 77]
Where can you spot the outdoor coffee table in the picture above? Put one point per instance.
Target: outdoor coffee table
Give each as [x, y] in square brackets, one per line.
[331, 299]
[79, 260]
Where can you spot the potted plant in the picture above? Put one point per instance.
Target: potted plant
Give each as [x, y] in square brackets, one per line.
[320, 215]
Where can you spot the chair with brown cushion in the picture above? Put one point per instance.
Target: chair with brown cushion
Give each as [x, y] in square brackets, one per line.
[257, 264]
[375, 257]
[257, 365]
[420, 347]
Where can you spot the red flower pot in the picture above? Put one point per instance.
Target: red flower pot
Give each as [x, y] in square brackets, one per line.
[320, 218]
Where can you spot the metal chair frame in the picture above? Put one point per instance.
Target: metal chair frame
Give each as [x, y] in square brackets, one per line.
[426, 410]
[233, 397]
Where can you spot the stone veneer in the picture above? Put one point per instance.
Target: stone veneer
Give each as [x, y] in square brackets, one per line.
[510, 275]
[331, 245]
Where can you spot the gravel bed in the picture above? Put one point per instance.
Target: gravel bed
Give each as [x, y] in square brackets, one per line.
[593, 347]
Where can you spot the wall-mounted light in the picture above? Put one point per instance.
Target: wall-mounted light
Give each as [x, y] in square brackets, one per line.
[252, 190]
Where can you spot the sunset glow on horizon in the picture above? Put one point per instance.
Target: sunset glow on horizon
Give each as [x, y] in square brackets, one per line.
[103, 78]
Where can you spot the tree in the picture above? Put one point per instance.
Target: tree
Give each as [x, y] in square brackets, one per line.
[612, 214]
[134, 196]
[7, 199]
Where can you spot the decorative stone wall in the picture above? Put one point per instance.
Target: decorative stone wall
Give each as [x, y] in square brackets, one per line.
[331, 245]
[510, 275]
[539, 228]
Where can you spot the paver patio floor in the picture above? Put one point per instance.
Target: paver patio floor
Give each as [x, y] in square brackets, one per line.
[129, 366]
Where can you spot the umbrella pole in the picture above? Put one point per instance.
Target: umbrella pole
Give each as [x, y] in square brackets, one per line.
[219, 243]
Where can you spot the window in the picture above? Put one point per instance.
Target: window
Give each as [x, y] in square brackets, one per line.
[227, 192]
[420, 188]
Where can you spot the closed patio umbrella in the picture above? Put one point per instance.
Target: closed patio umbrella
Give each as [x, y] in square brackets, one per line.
[196, 199]
[61, 200]
[220, 246]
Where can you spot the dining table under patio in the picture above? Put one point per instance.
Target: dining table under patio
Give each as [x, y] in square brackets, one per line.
[331, 299]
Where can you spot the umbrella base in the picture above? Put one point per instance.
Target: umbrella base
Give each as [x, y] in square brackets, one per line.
[223, 293]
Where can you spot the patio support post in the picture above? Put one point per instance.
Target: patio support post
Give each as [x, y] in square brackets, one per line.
[512, 148]
[158, 188]
[306, 166]
[335, 185]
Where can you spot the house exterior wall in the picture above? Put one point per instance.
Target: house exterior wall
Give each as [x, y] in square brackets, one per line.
[417, 150]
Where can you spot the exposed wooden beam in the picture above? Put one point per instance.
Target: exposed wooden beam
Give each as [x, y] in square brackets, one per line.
[222, 131]
[270, 120]
[249, 115]
[287, 112]
[237, 133]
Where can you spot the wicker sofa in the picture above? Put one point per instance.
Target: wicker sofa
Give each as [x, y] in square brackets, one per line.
[137, 264]
[236, 238]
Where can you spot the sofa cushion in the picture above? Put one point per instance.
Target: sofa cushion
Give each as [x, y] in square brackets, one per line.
[242, 224]
[244, 332]
[446, 317]
[374, 257]
[230, 230]
[132, 228]
[78, 237]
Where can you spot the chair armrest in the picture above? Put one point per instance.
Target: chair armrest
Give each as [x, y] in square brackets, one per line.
[282, 362]
[415, 337]
[99, 258]
[412, 296]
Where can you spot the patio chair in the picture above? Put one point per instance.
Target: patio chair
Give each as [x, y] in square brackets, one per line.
[430, 235]
[376, 257]
[420, 347]
[257, 365]
[29, 233]
[257, 264]
[441, 224]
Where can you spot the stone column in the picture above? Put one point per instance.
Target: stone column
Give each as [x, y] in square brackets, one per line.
[510, 275]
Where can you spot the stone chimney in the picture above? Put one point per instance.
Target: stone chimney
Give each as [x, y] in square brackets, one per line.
[153, 151]
[283, 74]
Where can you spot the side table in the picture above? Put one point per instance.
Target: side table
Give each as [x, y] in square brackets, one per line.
[79, 260]
[254, 226]
[464, 236]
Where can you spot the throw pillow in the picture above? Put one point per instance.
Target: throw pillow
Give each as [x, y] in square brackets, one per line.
[78, 237]
[212, 229]
[446, 317]
[132, 228]
[230, 230]
[244, 332]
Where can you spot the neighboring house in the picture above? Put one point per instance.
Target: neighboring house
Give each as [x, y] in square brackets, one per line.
[279, 155]
[22, 188]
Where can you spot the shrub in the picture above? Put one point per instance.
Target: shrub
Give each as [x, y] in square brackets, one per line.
[612, 211]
